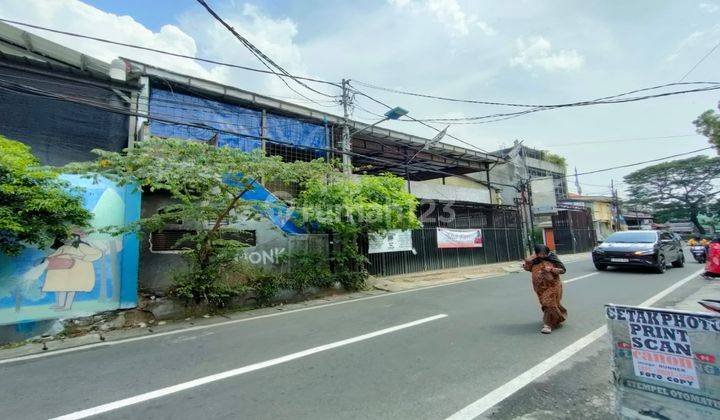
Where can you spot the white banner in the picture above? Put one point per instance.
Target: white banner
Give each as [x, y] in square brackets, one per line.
[391, 241]
[459, 238]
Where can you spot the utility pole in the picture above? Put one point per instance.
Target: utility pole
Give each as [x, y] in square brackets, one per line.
[346, 146]
[616, 205]
[577, 182]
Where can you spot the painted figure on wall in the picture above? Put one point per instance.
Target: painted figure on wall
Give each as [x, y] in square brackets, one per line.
[89, 272]
[70, 270]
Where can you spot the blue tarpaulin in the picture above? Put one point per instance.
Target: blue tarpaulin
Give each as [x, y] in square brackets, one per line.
[191, 109]
[296, 132]
[247, 124]
[229, 118]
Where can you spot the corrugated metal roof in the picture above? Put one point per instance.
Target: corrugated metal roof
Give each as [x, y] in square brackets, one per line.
[24, 47]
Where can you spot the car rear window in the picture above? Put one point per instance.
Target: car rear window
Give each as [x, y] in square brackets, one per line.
[632, 237]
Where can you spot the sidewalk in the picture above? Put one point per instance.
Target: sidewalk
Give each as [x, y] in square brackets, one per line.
[709, 290]
[435, 277]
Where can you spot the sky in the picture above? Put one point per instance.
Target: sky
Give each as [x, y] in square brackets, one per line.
[525, 51]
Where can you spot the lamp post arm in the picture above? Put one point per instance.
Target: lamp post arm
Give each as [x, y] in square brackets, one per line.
[369, 126]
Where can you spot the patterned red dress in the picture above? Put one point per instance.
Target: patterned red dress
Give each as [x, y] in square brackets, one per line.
[548, 287]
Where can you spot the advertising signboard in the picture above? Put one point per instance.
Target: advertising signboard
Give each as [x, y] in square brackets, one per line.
[665, 363]
[543, 196]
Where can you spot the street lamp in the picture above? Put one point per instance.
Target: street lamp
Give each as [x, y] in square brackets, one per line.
[392, 114]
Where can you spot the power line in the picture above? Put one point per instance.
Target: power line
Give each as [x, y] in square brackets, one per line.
[174, 104]
[262, 57]
[185, 104]
[425, 124]
[712, 50]
[636, 163]
[582, 143]
[155, 50]
[523, 105]
[472, 120]
[29, 90]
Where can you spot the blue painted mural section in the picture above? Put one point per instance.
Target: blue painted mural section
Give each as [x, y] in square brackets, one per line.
[243, 123]
[83, 275]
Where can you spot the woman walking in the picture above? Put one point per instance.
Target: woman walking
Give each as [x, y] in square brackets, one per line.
[546, 269]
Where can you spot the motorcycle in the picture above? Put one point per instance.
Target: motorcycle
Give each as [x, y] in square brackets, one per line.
[699, 252]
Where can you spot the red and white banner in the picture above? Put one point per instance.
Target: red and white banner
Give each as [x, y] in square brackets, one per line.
[459, 238]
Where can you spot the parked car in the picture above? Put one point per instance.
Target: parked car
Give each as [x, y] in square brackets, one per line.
[650, 248]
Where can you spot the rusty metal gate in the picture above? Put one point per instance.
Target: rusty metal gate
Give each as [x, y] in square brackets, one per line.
[573, 230]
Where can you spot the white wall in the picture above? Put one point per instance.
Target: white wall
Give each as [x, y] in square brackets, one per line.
[435, 191]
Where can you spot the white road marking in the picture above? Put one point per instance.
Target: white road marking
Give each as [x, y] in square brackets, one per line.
[578, 278]
[235, 372]
[504, 391]
[236, 321]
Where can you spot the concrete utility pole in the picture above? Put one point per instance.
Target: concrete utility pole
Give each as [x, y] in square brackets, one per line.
[346, 146]
[616, 205]
[577, 182]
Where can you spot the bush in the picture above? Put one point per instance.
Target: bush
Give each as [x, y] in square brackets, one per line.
[226, 279]
[265, 285]
[307, 269]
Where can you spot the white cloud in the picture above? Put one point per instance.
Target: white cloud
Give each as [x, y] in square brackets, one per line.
[274, 37]
[537, 52]
[697, 38]
[487, 29]
[76, 16]
[196, 35]
[448, 13]
[709, 7]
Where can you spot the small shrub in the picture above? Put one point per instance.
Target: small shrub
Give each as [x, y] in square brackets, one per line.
[307, 269]
[265, 284]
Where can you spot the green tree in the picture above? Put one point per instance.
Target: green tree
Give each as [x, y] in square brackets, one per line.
[553, 158]
[690, 184]
[208, 185]
[348, 208]
[708, 124]
[35, 206]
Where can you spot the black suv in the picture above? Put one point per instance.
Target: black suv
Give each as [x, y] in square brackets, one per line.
[639, 248]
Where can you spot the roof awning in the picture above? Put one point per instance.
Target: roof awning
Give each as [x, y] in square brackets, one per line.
[408, 158]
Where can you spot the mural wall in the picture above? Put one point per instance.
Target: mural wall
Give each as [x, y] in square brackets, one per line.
[80, 276]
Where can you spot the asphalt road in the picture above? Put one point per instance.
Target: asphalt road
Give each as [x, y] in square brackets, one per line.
[423, 354]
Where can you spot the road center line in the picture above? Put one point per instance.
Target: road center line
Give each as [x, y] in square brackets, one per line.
[580, 277]
[235, 372]
[509, 388]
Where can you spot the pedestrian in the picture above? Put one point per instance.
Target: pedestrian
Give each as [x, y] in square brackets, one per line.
[546, 269]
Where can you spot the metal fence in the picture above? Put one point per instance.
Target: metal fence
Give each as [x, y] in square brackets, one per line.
[573, 231]
[501, 230]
